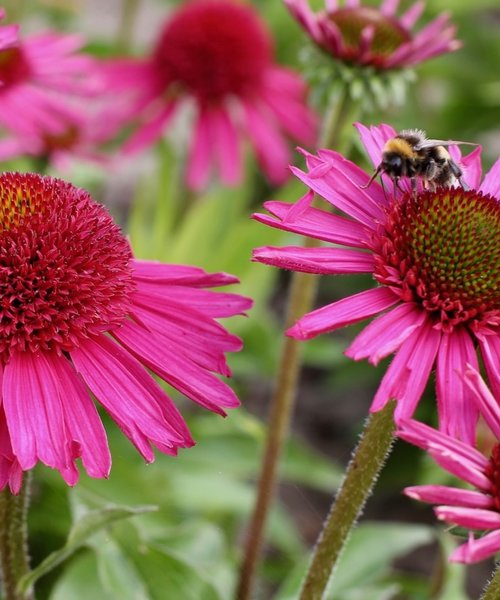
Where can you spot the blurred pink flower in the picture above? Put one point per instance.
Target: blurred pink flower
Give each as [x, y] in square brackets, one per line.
[217, 57]
[436, 258]
[478, 509]
[42, 75]
[80, 315]
[367, 35]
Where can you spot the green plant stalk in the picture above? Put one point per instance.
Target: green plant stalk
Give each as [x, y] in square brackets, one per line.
[14, 558]
[492, 589]
[362, 472]
[126, 27]
[300, 301]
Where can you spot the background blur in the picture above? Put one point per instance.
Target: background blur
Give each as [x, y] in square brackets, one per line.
[192, 545]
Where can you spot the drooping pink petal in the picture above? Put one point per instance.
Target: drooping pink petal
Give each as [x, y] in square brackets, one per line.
[486, 403]
[343, 312]
[490, 351]
[326, 261]
[33, 403]
[457, 410]
[386, 333]
[475, 518]
[226, 144]
[151, 131]
[411, 16]
[131, 396]
[200, 157]
[476, 550]
[150, 271]
[442, 494]
[374, 139]
[196, 383]
[408, 373]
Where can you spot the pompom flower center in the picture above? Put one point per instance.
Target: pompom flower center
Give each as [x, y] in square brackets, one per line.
[64, 266]
[441, 249]
[14, 67]
[214, 48]
[388, 34]
[493, 472]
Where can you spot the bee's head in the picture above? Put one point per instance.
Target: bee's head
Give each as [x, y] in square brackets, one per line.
[392, 163]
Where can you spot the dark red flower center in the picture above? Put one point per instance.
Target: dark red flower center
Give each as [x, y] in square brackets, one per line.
[62, 141]
[388, 33]
[214, 48]
[14, 67]
[441, 249]
[64, 265]
[493, 472]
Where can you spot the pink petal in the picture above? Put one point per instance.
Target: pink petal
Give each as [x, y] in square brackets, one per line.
[441, 494]
[386, 333]
[315, 223]
[411, 16]
[407, 375]
[200, 156]
[486, 403]
[458, 413]
[149, 271]
[226, 145]
[325, 261]
[374, 140]
[343, 312]
[389, 7]
[196, 383]
[491, 183]
[472, 167]
[475, 518]
[151, 131]
[33, 402]
[301, 11]
[476, 550]
[490, 352]
[131, 396]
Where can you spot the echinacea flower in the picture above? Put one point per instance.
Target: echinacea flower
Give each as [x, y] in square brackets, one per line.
[365, 35]
[40, 75]
[80, 315]
[215, 56]
[477, 509]
[435, 256]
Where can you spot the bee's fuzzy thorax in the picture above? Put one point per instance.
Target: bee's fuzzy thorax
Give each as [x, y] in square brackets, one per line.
[400, 146]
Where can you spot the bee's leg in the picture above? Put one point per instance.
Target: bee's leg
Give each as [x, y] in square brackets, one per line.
[413, 181]
[458, 174]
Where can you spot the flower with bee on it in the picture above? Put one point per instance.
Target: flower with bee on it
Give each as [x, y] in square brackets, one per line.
[435, 258]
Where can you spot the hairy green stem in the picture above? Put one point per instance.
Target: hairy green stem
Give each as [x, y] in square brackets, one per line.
[300, 301]
[362, 472]
[492, 589]
[14, 558]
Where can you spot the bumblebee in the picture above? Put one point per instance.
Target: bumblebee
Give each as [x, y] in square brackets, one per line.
[411, 154]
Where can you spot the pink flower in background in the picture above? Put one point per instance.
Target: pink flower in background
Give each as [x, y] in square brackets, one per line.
[478, 509]
[79, 314]
[436, 259]
[215, 56]
[42, 76]
[367, 35]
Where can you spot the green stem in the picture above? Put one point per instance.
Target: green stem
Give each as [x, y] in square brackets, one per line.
[492, 589]
[126, 27]
[300, 301]
[14, 559]
[361, 475]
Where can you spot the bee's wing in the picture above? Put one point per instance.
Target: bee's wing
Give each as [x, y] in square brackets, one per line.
[432, 143]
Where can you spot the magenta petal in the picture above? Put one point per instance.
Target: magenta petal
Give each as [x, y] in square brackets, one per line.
[131, 396]
[407, 375]
[33, 403]
[226, 145]
[490, 351]
[316, 223]
[82, 419]
[441, 494]
[486, 403]
[386, 333]
[196, 383]
[344, 312]
[325, 261]
[374, 139]
[457, 410]
[150, 271]
[476, 550]
[200, 154]
[475, 518]
[491, 183]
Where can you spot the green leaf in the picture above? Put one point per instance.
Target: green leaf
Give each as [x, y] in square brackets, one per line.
[79, 534]
[81, 580]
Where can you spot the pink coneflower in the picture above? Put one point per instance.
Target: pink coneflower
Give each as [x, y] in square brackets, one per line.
[478, 509]
[41, 75]
[79, 314]
[366, 35]
[436, 259]
[217, 57]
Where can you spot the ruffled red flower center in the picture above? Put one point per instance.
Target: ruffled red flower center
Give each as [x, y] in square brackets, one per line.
[493, 472]
[14, 67]
[64, 265]
[214, 48]
[441, 249]
[388, 33]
